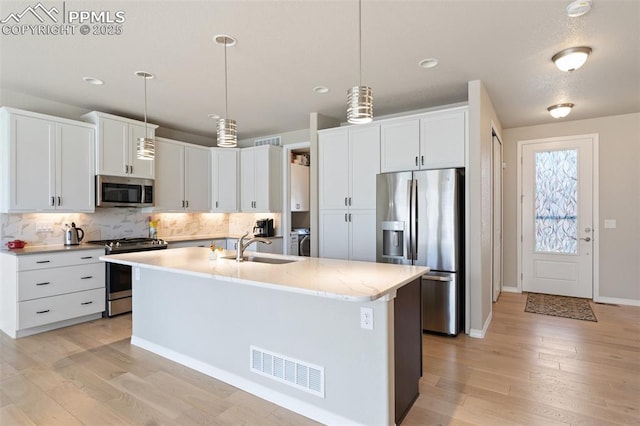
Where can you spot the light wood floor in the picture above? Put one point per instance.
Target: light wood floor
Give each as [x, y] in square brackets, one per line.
[530, 369]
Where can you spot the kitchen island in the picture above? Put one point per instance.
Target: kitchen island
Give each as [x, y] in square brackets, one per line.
[336, 341]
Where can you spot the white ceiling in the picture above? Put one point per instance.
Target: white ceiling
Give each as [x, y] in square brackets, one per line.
[285, 48]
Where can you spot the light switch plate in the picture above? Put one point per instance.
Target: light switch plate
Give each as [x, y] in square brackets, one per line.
[610, 223]
[43, 227]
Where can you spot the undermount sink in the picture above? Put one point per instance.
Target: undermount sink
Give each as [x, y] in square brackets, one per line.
[258, 259]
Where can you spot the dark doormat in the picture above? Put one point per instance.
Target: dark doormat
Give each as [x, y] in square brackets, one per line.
[560, 306]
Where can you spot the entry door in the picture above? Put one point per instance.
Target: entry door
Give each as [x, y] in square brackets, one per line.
[497, 218]
[557, 217]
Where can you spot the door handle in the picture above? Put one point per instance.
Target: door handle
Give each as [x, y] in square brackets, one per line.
[587, 239]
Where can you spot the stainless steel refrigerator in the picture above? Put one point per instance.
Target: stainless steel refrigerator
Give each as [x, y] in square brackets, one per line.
[420, 221]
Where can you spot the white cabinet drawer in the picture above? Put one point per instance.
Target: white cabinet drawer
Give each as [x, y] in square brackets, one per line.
[56, 259]
[51, 282]
[33, 313]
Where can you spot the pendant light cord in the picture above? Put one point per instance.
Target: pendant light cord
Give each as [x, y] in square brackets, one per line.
[360, 38]
[226, 99]
[146, 133]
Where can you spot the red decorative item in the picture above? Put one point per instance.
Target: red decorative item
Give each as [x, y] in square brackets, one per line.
[16, 244]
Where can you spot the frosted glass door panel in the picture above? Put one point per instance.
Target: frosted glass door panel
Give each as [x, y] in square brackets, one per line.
[556, 201]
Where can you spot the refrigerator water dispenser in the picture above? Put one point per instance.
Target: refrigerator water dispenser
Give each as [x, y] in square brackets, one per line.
[392, 238]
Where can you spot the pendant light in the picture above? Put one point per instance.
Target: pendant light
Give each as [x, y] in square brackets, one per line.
[360, 98]
[226, 127]
[145, 147]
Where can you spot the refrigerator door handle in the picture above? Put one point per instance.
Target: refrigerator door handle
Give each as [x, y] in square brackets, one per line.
[413, 219]
[408, 236]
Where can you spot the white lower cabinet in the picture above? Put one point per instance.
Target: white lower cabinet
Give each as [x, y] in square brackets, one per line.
[44, 291]
[348, 235]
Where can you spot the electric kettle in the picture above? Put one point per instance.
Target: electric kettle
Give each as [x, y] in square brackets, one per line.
[72, 235]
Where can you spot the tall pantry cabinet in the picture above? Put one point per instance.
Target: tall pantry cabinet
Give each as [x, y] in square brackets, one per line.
[349, 159]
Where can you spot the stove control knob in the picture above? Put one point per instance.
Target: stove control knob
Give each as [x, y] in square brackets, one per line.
[117, 243]
[110, 245]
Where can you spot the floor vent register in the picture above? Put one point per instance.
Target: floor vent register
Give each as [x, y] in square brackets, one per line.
[296, 373]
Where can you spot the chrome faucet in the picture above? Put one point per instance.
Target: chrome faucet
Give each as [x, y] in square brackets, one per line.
[242, 247]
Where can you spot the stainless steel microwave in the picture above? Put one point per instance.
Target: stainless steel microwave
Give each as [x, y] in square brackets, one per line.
[116, 191]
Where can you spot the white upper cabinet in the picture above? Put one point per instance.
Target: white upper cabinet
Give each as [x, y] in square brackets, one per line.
[261, 179]
[183, 180]
[299, 188]
[116, 143]
[349, 162]
[46, 163]
[224, 180]
[400, 146]
[432, 140]
[443, 139]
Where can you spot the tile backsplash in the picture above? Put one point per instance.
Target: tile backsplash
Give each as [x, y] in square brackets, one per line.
[46, 228]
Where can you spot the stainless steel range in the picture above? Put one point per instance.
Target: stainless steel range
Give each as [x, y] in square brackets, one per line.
[118, 277]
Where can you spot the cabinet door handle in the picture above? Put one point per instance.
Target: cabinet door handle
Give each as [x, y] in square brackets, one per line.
[86, 303]
[87, 277]
[349, 217]
[183, 204]
[59, 201]
[345, 201]
[422, 159]
[53, 201]
[131, 169]
[349, 200]
[47, 283]
[126, 169]
[416, 160]
[345, 218]
[216, 204]
[42, 312]
[187, 202]
[43, 261]
[86, 257]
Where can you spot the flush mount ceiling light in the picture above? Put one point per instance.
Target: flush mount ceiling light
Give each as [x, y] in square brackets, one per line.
[226, 128]
[560, 110]
[578, 8]
[321, 89]
[571, 59]
[145, 147]
[428, 63]
[360, 98]
[94, 81]
[213, 116]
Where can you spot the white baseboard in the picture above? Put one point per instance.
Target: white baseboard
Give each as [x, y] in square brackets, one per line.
[56, 325]
[295, 405]
[479, 334]
[617, 301]
[511, 289]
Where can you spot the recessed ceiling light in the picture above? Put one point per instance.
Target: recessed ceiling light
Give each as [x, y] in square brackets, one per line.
[572, 58]
[93, 80]
[560, 110]
[578, 8]
[213, 116]
[321, 89]
[428, 63]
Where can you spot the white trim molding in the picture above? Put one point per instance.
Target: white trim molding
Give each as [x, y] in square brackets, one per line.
[616, 301]
[479, 334]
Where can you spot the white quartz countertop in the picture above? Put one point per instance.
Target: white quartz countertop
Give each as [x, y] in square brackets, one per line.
[51, 248]
[331, 278]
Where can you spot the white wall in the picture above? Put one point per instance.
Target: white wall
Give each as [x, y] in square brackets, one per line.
[619, 184]
[482, 115]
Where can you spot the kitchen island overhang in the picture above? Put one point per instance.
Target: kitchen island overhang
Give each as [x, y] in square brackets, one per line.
[288, 333]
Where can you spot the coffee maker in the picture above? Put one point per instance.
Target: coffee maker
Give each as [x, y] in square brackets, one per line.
[263, 228]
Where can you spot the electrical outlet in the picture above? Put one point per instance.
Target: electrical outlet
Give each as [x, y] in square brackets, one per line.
[366, 318]
[43, 227]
